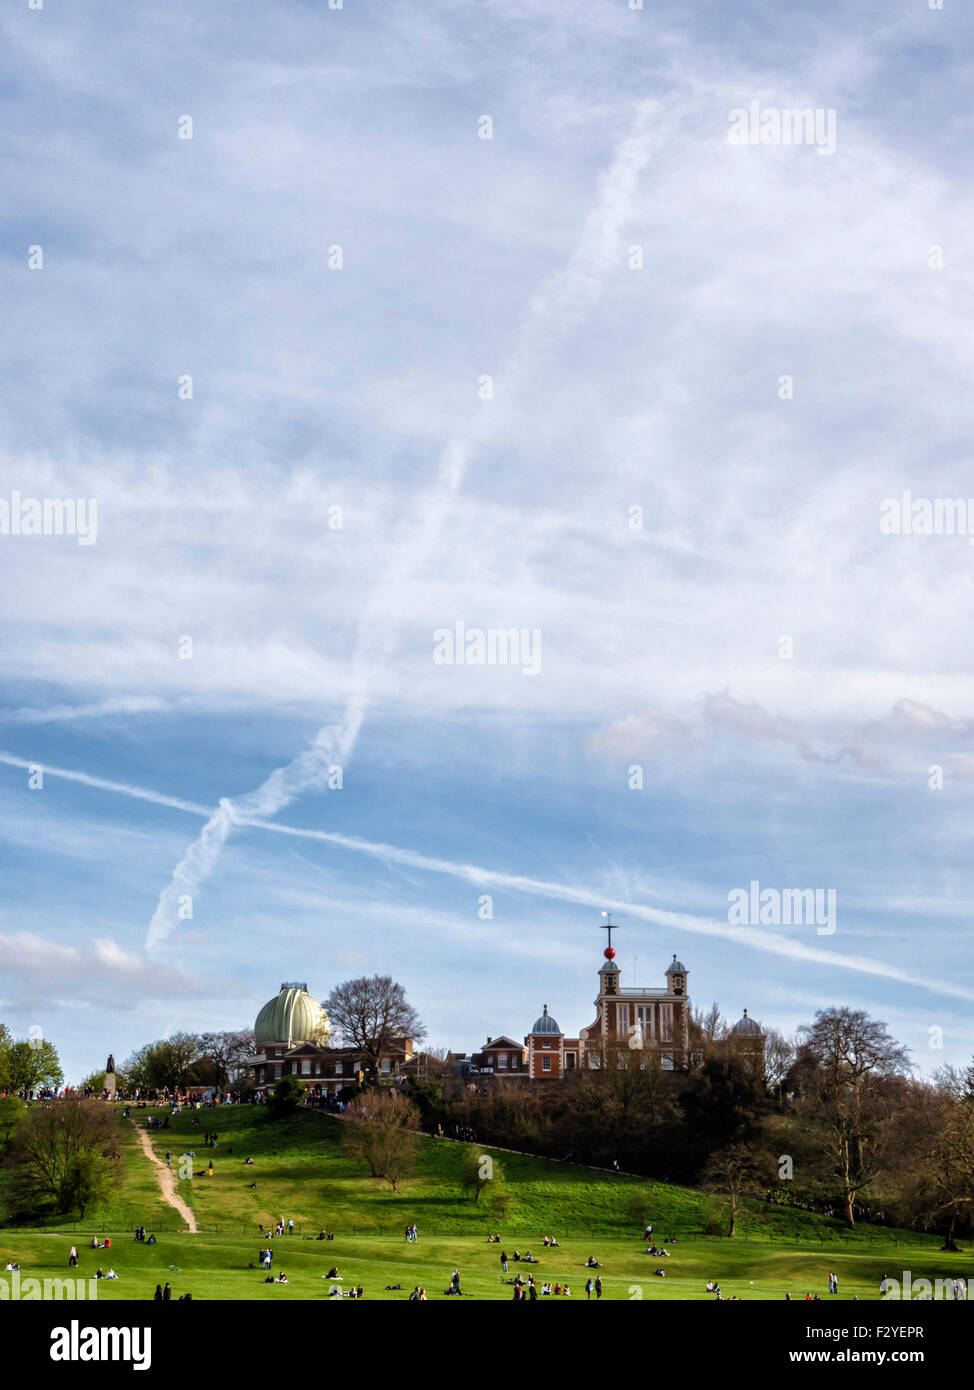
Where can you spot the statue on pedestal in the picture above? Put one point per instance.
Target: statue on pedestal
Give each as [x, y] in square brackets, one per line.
[110, 1081]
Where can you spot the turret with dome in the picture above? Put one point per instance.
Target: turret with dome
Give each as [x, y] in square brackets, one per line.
[292, 1016]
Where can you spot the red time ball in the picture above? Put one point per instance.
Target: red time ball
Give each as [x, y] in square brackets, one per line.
[609, 953]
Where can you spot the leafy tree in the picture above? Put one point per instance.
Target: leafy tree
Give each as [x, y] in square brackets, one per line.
[164, 1065]
[5, 1043]
[373, 1015]
[61, 1154]
[12, 1111]
[380, 1128]
[724, 1099]
[33, 1063]
[287, 1095]
[481, 1173]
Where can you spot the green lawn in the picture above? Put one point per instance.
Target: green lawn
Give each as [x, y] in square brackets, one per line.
[216, 1267]
[301, 1172]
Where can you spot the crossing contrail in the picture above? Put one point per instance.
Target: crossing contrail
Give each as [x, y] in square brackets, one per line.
[749, 937]
[554, 309]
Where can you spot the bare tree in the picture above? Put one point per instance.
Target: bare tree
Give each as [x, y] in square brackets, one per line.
[850, 1068]
[850, 1048]
[779, 1058]
[227, 1052]
[730, 1173]
[380, 1128]
[374, 1015]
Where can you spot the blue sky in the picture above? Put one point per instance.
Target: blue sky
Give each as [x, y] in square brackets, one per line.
[362, 388]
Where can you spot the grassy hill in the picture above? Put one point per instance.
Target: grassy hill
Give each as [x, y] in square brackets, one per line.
[302, 1173]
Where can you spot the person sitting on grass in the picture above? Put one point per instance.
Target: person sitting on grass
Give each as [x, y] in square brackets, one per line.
[592, 1263]
[282, 1278]
[333, 1273]
[111, 1274]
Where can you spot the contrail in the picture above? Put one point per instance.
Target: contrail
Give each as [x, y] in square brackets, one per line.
[749, 937]
[558, 306]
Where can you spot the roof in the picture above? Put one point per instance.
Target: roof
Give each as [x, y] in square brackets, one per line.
[291, 1016]
[545, 1024]
[677, 966]
[746, 1026]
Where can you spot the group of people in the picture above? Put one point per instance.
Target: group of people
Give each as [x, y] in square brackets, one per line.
[528, 1289]
[412, 1233]
[164, 1295]
[142, 1238]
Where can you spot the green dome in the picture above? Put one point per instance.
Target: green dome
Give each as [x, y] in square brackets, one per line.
[292, 1016]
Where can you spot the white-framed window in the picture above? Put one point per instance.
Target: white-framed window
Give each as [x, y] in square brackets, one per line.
[666, 1024]
[338, 1068]
[306, 1067]
[277, 1071]
[546, 1064]
[622, 1018]
[502, 1059]
[546, 1042]
[387, 1065]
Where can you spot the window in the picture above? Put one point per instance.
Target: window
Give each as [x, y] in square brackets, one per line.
[546, 1064]
[546, 1042]
[306, 1067]
[570, 1059]
[502, 1059]
[386, 1065]
[622, 1018]
[277, 1071]
[338, 1068]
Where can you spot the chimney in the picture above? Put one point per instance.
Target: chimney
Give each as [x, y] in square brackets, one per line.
[489, 1041]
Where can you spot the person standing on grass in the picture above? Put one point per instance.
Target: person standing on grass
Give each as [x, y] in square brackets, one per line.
[167, 1294]
[168, 1158]
[415, 1232]
[72, 1257]
[589, 1286]
[504, 1261]
[290, 1226]
[598, 1286]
